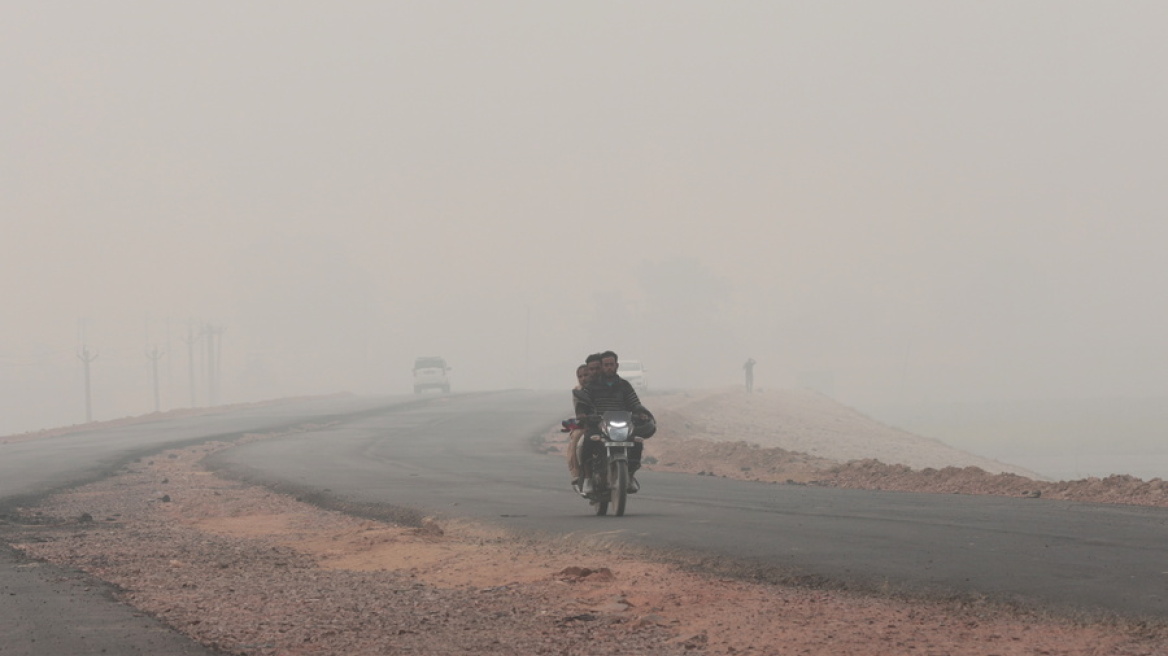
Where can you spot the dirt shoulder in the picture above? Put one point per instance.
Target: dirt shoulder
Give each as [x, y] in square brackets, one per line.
[807, 423]
[248, 571]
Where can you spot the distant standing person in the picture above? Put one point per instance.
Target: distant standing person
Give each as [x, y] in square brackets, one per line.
[748, 367]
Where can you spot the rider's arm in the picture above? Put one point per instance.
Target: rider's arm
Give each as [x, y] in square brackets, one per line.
[632, 401]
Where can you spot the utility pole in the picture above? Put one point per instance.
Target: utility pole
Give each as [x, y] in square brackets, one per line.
[214, 336]
[190, 342]
[169, 367]
[86, 357]
[527, 353]
[219, 363]
[154, 355]
[209, 333]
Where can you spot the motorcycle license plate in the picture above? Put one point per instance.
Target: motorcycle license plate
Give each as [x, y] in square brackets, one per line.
[624, 444]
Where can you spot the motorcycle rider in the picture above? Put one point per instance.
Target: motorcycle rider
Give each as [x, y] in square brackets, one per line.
[608, 391]
[593, 362]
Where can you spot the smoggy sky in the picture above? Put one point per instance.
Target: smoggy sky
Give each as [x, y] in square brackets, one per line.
[895, 201]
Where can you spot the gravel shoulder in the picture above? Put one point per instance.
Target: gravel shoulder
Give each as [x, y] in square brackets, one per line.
[247, 571]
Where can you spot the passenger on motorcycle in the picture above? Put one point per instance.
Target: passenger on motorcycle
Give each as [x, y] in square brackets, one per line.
[577, 468]
[583, 374]
[606, 392]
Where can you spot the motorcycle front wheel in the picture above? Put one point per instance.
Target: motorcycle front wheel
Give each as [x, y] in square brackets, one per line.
[601, 508]
[599, 484]
[619, 483]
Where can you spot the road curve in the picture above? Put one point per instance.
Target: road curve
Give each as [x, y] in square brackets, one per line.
[47, 610]
[471, 455]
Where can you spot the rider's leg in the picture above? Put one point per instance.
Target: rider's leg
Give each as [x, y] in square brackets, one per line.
[584, 457]
[634, 465]
[574, 456]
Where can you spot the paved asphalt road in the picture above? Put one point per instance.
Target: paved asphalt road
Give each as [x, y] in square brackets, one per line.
[470, 455]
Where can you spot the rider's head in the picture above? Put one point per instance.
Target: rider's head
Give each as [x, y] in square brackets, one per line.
[583, 373]
[608, 363]
[593, 362]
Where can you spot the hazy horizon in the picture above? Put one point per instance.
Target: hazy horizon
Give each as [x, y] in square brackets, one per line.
[900, 203]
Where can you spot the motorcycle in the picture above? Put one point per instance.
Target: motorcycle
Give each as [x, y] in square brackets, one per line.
[609, 468]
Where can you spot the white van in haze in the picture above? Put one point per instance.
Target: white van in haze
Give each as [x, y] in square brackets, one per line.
[634, 372]
[431, 372]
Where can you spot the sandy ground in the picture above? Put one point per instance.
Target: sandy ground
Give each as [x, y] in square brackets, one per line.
[252, 572]
[803, 437]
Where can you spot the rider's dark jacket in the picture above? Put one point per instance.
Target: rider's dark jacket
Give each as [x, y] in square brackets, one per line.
[615, 393]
